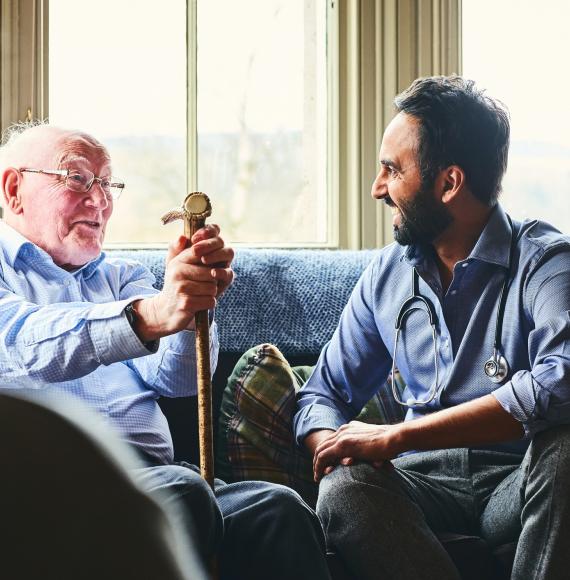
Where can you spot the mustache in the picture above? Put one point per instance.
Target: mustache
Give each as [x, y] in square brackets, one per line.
[389, 202]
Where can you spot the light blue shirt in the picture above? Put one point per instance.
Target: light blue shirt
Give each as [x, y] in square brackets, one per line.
[535, 336]
[66, 332]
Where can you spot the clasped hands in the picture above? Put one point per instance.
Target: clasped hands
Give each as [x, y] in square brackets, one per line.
[375, 444]
[194, 279]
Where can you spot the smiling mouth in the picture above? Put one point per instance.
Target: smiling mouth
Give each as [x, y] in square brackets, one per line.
[88, 223]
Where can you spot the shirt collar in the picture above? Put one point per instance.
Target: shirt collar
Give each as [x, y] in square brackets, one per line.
[15, 245]
[88, 269]
[493, 245]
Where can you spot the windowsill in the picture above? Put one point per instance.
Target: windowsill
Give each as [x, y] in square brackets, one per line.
[237, 245]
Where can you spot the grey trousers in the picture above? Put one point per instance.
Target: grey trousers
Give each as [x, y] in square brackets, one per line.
[382, 521]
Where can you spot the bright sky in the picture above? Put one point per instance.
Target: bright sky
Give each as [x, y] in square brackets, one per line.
[518, 50]
[254, 54]
[123, 70]
[133, 63]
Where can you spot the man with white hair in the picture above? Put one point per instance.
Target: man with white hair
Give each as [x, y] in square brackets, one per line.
[82, 324]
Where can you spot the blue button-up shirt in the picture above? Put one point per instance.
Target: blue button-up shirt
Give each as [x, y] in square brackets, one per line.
[66, 332]
[535, 336]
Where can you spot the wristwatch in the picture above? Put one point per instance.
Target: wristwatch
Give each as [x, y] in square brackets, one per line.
[131, 316]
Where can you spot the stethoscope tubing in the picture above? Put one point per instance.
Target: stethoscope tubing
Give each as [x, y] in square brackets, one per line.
[496, 367]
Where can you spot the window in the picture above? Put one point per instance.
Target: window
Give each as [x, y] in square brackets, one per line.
[261, 106]
[522, 61]
[275, 108]
[262, 117]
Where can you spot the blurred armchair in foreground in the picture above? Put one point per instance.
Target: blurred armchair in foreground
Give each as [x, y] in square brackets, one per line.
[69, 507]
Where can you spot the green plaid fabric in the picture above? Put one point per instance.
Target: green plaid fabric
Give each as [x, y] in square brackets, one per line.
[255, 436]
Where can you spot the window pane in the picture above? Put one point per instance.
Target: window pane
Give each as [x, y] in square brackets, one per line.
[262, 117]
[517, 50]
[117, 70]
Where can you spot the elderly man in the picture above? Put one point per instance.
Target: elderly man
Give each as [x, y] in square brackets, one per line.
[474, 310]
[83, 324]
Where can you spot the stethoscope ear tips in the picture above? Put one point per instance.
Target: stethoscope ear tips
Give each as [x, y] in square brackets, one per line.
[496, 368]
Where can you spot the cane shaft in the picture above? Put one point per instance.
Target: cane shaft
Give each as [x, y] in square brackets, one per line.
[205, 422]
[205, 425]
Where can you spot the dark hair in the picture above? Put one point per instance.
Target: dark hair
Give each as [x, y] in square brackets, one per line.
[459, 125]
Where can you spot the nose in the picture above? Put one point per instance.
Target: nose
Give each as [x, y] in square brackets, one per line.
[379, 187]
[96, 197]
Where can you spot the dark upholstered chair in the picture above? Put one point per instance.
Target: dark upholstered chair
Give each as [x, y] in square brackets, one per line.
[68, 507]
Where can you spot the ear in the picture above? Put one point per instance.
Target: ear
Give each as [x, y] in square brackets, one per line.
[11, 198]
[452, 181]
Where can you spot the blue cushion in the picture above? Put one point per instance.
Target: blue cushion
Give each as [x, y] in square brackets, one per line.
[291, 298]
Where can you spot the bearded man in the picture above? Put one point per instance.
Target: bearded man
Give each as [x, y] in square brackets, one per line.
[473, 308]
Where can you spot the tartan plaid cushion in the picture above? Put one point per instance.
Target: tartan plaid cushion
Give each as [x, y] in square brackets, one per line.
[255, 436]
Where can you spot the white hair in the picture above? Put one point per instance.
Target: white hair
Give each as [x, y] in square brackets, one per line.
[11, 133]
[16, 140]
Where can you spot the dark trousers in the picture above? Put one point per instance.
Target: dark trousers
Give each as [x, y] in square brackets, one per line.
[255, 529]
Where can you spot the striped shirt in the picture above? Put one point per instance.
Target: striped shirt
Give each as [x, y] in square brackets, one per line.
[66, 333]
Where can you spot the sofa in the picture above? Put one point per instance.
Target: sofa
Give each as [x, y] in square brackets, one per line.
[294, 299]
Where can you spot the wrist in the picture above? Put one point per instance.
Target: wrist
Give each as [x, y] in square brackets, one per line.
[140, 315]
[314, 438]
[400, 438]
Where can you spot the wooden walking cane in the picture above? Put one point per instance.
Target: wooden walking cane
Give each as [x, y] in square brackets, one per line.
[194, 211]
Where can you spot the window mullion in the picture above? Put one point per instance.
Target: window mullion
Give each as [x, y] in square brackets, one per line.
[191, 96]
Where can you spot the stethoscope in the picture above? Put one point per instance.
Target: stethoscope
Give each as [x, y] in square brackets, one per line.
[496, 367]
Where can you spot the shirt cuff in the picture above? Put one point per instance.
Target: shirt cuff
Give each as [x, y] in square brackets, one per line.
[316, 417]
[514, 399]
[113, 338]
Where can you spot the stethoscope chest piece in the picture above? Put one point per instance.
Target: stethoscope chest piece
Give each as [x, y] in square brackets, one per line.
[497, 368]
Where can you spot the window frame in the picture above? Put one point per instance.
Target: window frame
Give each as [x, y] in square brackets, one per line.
[378, 48]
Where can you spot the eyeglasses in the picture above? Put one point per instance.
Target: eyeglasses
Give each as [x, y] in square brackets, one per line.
[81, 181]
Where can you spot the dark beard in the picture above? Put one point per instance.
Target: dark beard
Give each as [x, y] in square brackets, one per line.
[423, 219]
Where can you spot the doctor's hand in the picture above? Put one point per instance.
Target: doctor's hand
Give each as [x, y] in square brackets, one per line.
[375, 444]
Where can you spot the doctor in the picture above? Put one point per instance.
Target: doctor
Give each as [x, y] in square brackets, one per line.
[474, 310]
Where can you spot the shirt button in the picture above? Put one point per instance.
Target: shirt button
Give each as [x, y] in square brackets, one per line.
[453, 292]
[465, 264]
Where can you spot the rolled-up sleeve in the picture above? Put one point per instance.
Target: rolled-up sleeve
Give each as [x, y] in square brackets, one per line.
[540, 397]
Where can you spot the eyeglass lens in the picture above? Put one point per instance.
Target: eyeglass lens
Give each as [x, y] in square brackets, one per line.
[82, 181]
